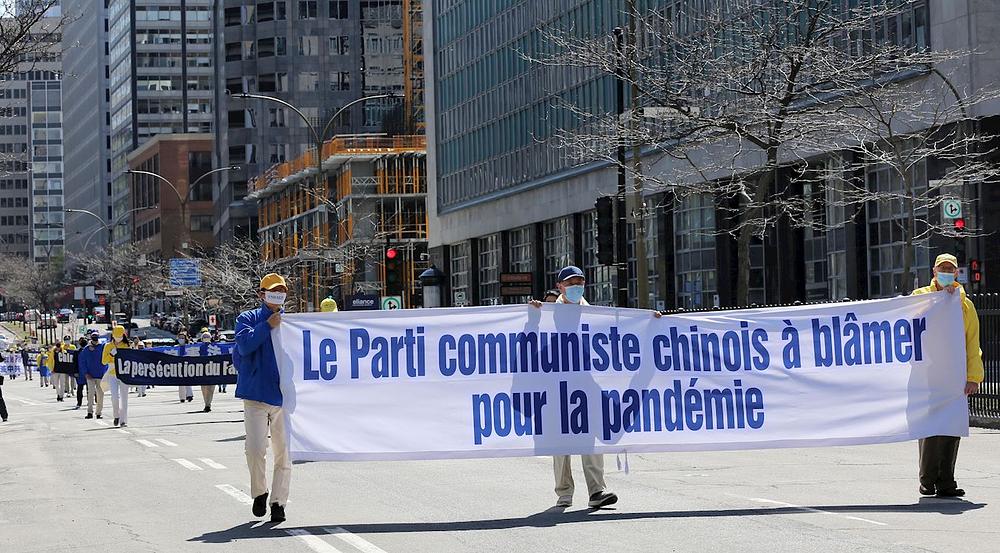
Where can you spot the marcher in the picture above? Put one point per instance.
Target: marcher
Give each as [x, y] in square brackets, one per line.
[81, 381]
[571, 284]
[119, 390]
[63, 381]
[257, 386]
[92, 368]
[207, 392]
[184, 393]
[938, 454]
[27, 366]
[41, 360]
[139, 344]
[3, 406]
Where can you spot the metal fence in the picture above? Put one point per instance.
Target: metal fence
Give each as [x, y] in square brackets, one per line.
[984, 406]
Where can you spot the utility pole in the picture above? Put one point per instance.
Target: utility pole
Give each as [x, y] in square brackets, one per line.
[638, 211]
[621, 213]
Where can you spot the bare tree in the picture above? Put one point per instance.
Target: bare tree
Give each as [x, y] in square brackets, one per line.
[36, 285]
[125, 271]
[736, 92]
[230, 274]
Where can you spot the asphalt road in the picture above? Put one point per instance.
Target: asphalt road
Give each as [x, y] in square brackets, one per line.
[176, 480]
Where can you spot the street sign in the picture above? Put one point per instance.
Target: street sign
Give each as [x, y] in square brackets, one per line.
[392, 302]
[102, 292]
[173, 293]
[516, 284]
[362, 302]
[212, 320]
[951, 209]
[459, 299]
[185, 272]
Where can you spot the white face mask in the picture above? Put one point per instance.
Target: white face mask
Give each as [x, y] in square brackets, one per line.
[275, 298]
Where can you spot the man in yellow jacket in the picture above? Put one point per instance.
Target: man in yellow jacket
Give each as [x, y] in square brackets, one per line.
[939, 453]
[119, 390]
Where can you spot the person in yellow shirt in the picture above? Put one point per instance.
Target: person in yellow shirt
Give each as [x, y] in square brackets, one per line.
[41, 361]
[119, 390]
[62, 382]
[938, 454]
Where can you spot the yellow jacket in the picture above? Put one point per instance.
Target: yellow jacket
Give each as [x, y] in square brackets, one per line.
[108, 358]
[970, 319]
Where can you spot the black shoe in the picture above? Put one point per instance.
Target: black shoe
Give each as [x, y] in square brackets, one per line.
[89, 416]
[602, 499]
[190, 399]
[116, 422]
[98, 416]
[277, 513]
[957, 492]
[260, 505]
[207, 409]
[924, 490]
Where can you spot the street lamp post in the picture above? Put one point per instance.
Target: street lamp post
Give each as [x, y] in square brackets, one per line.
[183, 198]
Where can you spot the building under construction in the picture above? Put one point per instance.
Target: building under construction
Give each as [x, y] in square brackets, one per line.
[332, 233]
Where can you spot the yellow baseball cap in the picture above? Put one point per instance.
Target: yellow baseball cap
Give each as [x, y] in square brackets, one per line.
[946, 258]
[272, 281]
[118, 332]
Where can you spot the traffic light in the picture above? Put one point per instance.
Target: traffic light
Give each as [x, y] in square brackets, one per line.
[606, 230]
[975, 272]
[958, 224]
[393, 272]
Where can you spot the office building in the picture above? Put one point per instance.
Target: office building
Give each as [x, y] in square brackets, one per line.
[86, 123]
[504, 198]
[318, 56]
[161, 80]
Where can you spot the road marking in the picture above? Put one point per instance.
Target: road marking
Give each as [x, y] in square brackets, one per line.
[187, 464]
[24, 401]
[165, 442]
[147, 443]
[812, 510]
[102, 423]
[121, 431]
[314, 542]
[211, 463]
[235, 493]
[354, 540]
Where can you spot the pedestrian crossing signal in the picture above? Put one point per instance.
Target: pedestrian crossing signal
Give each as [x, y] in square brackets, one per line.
[393, 272]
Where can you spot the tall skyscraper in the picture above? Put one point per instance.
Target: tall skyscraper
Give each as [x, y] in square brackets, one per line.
[161, 79]
[86, 123]
[317, 56]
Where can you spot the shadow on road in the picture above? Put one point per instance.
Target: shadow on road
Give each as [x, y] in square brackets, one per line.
[190, 423]
[240, 438]
[554, 517]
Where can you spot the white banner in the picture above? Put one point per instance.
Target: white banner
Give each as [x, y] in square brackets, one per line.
[562, 379]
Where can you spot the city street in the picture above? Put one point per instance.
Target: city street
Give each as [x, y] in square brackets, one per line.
[176, 480]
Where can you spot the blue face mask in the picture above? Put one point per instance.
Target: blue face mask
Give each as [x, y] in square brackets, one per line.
[945, 280]
[574, 293]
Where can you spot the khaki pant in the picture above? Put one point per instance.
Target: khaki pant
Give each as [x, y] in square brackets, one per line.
[593, 472]
[937, 462]
[95, 394]
[257, 417]
[207, 393]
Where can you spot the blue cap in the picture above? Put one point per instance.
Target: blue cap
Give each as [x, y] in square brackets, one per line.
[569, 272]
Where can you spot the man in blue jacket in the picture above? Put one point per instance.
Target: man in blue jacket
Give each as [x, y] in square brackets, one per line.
[91, 368]
[258, 386]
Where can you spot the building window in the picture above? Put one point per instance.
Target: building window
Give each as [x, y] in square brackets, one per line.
[339, 45]
[308, 46]
[600, 278]
[338, 9]
[557, 246]
[307, 9]
[694, 246]
[340, 80]
[460, 274]
[276, 117]
[201, 223]
[489, 270]
[308, 81]
[887, 221]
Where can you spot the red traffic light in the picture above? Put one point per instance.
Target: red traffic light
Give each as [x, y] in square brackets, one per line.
[959, 224]
[391, 253]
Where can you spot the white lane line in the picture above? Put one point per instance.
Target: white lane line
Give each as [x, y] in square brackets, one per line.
[212, 464]
[102, 423]
[147, 443]
[314, 542]
[121, 431]
[187, 464]
[354, 540]
[235, 493]
[813, 510]
[24, 401]
[166, 442]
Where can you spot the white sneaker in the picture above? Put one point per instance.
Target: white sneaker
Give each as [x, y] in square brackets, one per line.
[564, 501]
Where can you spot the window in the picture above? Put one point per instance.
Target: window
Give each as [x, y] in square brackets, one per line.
[694, 247]
[338, 45]
[308, 46]
[201, 223]
[489, 270]
[276, 117]
[600, 288]
[558, 247]
[338, 9]
[340, 80]
[460, 274]
[307, 9]
[308, 80]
